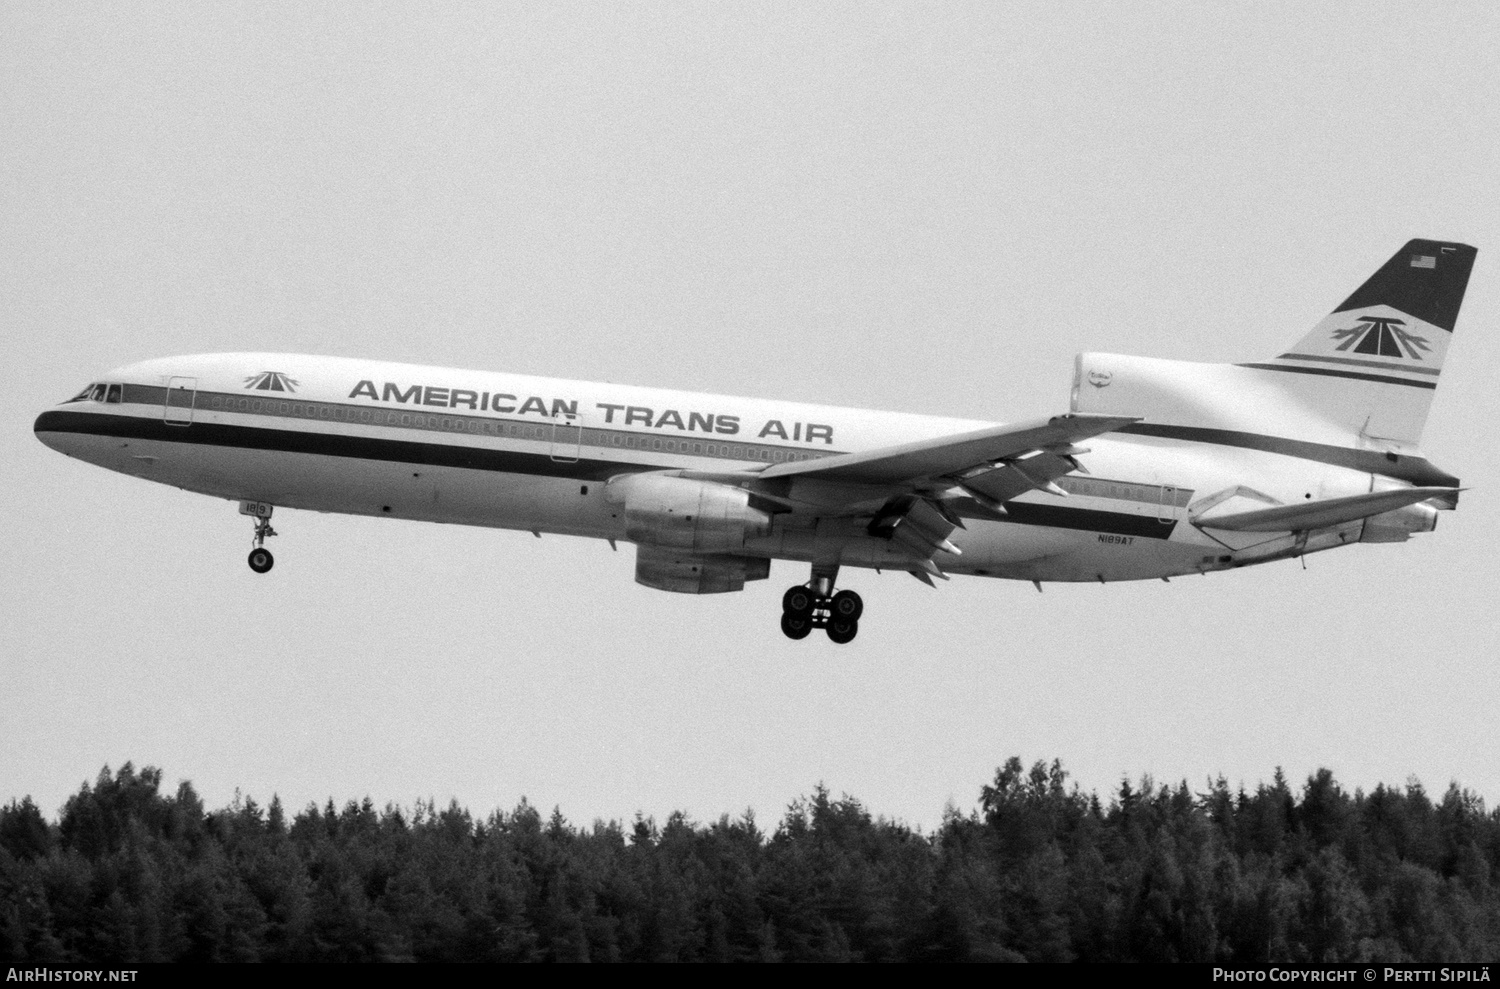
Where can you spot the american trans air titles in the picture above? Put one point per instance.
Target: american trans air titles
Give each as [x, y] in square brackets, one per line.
[627, 415]
[1158, 467]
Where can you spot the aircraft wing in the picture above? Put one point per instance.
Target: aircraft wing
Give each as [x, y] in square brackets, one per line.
[953, 455]
[924, 480]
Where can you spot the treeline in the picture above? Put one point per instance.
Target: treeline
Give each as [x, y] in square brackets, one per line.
[1039, 872]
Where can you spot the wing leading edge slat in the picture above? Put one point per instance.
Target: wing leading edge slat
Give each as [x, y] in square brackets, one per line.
[910, 463]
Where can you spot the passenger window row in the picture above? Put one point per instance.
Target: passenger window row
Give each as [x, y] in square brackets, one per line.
[562, 433]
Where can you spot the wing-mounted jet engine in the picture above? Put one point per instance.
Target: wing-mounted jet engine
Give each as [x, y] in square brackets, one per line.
[687, 532]
[683, 572]
[687, 514]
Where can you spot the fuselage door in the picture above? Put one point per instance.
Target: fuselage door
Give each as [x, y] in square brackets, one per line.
[567, 438]
[1166, 506]
[177, 410]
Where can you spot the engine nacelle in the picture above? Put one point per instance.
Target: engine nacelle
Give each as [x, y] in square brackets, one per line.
[700, 516]
[1397, 526]
[692, 573]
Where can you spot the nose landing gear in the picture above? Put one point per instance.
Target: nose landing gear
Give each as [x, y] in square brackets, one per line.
[260, 559]
[814, 605]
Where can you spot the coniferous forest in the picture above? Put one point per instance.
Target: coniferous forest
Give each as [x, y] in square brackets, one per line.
[1040, 872]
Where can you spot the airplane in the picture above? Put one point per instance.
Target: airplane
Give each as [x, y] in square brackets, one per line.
[1159, 468]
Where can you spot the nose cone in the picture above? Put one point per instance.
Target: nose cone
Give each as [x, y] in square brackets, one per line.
[50, 428]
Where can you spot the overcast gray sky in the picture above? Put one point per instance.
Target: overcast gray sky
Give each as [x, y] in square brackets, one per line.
[922, 207]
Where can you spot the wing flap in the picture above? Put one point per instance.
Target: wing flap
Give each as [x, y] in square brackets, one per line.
[917, 525]
[1016, 478]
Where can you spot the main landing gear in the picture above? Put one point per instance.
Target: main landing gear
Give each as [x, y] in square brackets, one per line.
[261, 559]
[814, 605]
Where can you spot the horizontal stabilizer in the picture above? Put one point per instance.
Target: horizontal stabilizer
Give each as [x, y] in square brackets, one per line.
[1318, 514]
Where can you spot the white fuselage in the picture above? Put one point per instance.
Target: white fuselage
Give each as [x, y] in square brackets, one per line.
[510, 451]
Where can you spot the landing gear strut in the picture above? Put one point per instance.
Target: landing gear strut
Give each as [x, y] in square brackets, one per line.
[814, 605]
[261, 559]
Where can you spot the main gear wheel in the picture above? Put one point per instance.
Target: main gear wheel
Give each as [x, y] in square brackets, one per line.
[813, 605]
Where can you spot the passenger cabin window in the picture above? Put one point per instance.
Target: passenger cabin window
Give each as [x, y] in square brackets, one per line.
[113, 395]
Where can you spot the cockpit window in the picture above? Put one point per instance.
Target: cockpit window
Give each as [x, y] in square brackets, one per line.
[82, 396]
[97, 395]
[113, 396]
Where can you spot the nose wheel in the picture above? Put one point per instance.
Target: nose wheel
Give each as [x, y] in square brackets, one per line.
[814, 605]
[261, 559]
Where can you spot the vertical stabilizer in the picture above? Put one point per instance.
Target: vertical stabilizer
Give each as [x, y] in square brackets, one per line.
[1381, 352]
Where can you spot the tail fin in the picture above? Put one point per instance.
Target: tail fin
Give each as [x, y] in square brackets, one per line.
[1380, 353]
[1363, 379]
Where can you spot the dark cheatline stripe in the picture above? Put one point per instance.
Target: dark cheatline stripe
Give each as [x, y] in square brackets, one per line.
[447, 421]
[534, 464]
[1331, 373]
[1433, 371]
[1414, 469]
[1088, 520]
[330, 445]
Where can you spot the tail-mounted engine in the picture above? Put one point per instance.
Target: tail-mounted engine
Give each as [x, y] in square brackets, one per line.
[701, 516]
[1398, 526]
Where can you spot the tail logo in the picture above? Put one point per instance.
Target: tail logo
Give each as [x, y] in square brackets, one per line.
[1383, 337]
[270, 381]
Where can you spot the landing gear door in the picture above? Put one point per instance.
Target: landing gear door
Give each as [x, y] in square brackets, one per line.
[182, 393]
[567, 438]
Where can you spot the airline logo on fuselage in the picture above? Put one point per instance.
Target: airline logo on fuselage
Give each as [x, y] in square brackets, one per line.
[1381, 336]
[270, 381]
[564, 408]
